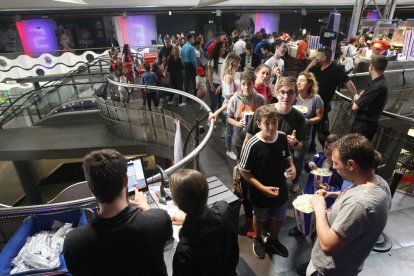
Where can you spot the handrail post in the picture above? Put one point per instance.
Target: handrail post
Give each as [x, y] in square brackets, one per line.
[37, 111]
[75, 87]
[197, 142]
[395, 181]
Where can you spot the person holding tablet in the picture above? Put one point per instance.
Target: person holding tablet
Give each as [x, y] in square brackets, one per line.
[122, 239]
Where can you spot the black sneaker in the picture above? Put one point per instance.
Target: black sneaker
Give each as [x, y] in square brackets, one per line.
[294, 232]
[258, 248]
[301, 269]
[275, 247]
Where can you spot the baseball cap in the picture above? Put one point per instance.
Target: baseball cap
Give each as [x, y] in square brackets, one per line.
[200, 71]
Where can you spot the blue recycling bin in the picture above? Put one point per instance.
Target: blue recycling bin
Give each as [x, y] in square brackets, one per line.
[32, 225]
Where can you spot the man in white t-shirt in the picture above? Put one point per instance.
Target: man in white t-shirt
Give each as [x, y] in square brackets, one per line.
[276, 63]
[239, 46]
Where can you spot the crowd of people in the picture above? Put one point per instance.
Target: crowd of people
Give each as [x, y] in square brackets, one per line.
[271, 123]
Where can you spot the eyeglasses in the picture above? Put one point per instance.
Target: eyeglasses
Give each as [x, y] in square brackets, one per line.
[288, 93]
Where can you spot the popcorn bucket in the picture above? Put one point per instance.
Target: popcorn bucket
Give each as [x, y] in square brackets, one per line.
[247, 115]
[321, 176]
[305, 222]
[304, 215]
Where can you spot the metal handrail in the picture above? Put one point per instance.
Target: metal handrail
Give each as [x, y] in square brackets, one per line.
[61, 52]
[385, 72]
[29, 94]
[23, 210]
[54, 110]
[202, 144]
[41, 208]
[184, 123]
[384, 113]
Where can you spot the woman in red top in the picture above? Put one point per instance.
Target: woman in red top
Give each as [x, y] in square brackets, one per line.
[115, 61]
[260, 85]
[128, 62]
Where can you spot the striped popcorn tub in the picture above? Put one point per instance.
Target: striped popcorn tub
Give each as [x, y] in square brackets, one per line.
[321, 176]
[304, 215]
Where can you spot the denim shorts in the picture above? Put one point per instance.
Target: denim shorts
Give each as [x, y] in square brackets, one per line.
[278, 213]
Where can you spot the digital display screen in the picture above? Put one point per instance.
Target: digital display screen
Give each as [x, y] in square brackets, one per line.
[136, 177]
[329, 34]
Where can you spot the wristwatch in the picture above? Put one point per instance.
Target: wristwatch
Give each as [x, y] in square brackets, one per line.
[295, 144]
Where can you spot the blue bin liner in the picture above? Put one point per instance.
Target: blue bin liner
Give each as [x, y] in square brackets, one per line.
[32, 225]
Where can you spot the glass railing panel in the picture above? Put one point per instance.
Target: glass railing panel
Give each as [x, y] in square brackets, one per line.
[23, 120]
[137, 132]
[126, 130]
[122, 114]
[133, 115]
[169, 123]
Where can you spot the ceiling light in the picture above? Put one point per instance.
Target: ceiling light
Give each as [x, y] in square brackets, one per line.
[80, 2]
[169, 13]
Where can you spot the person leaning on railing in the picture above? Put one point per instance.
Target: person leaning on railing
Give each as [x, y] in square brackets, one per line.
[369, 103]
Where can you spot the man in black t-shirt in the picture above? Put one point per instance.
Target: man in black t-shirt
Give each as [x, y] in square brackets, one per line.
[291, 121]
[369, 104]
[266, 163]
[121, 239]
[329, 76]
[165, 50]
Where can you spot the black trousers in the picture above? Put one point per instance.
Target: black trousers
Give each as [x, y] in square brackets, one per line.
[322, 129]
[190, 78]
[152, 97]
[366, 128]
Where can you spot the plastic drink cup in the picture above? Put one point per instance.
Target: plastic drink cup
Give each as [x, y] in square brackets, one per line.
[247, 115]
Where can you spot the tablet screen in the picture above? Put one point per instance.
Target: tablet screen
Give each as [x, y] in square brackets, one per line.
[136, 177]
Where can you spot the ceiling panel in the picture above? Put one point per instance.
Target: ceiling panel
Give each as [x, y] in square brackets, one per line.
[109, 4]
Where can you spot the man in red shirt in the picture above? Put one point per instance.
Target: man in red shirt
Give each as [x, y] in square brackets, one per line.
[301, 54]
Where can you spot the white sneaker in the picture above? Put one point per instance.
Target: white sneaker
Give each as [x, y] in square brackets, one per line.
[231, 155]
[170, 103]
[182, 104]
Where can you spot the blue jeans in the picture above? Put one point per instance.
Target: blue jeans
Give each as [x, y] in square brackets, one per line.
[277, 213]
[228, 137]
[216, 100]
[299, 159]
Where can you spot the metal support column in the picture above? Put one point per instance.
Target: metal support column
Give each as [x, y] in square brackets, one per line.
[25, 174]
[356, 18]
[389, 9]
[359, 7]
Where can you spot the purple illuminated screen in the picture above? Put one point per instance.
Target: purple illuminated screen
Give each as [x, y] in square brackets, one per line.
[37, 35]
